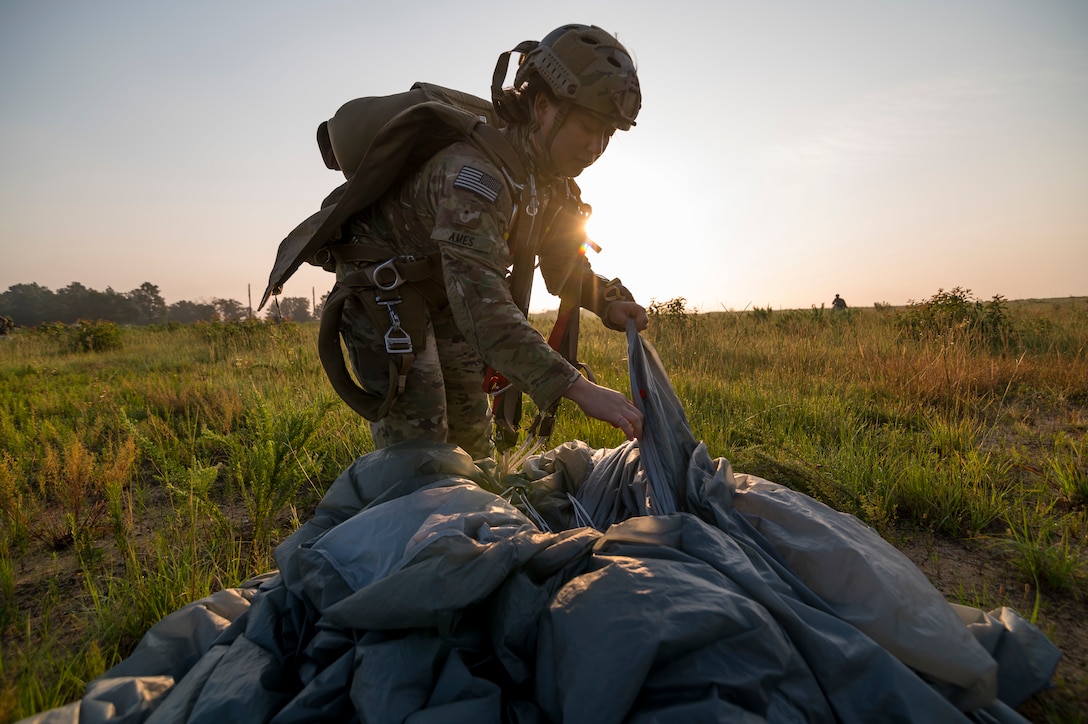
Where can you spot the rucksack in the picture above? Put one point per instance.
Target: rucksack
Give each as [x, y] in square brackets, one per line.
[377, 142]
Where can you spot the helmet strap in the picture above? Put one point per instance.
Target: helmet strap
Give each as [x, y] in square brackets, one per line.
[505, 100]
[546, 143]
[560, 119]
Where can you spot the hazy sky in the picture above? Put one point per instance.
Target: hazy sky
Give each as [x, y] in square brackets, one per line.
[786, 151]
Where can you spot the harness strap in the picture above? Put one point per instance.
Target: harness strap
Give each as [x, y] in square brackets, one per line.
[424, 273]
[506, 403]
[368, 404]
[563, 339]
[395, 293]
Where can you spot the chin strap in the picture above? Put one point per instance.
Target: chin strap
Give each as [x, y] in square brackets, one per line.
[546, 145]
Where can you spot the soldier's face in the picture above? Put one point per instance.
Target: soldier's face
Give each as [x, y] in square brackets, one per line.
[580, 140]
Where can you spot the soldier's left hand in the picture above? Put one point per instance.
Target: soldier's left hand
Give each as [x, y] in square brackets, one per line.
[620, 312]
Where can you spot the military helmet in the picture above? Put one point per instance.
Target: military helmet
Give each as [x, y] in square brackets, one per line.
[587, 66]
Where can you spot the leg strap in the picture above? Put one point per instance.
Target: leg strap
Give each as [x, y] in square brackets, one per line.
[394, 293]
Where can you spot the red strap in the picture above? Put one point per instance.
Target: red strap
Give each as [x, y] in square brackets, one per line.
[493, 381]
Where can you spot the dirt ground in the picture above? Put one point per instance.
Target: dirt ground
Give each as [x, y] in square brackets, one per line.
[973, 576]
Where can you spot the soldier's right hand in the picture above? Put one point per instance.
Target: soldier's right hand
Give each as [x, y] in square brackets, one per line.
[606, 405]
[620, 312]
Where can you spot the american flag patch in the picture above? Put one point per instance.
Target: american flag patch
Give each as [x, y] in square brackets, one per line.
[475, 180]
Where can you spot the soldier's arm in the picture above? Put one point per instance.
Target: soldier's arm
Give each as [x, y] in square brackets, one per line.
[472, 213]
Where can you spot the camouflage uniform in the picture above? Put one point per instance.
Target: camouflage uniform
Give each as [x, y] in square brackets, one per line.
[459, 205]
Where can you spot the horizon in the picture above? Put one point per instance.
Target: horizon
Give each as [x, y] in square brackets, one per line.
[783, 154]
[968, 294]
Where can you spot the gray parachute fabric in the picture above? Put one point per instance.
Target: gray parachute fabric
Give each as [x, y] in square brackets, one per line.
[667, 443]
[642, 478]
[416, 594]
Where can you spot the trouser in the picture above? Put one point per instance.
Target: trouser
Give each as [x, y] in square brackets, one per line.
[442, 399]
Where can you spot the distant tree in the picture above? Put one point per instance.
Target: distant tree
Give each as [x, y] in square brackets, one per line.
[148, 306]
[230, 310]
[296, 309]
[114, 306]
[29, 305]
[73, 299]
[76, 302]
[187, 312]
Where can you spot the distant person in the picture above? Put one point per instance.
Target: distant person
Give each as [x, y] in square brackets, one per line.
[838, 303]
[6, 325]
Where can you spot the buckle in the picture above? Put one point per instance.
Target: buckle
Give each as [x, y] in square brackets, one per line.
[387, 268]
[612, 291]
[397, 341]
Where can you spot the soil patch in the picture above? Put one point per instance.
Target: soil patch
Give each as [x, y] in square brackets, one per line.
[971, 574]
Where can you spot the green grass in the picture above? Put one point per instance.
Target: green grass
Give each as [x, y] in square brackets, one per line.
[139, 475]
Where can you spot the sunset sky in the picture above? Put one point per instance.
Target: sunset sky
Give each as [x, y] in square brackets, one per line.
[786, 151]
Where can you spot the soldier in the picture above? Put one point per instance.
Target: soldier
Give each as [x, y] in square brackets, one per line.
[6, 325]
[571, 92]
[838, 303]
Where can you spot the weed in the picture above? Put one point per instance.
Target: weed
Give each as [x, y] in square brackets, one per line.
[75, 505]
[269, 462]
[8, 611]
[14, 509]
[1068, 468]
[39, 672]
[1044, 551]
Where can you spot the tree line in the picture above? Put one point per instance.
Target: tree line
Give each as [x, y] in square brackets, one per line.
[28, 305]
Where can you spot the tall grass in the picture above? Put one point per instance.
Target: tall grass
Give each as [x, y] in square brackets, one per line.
[165, 463]
[909, 416]
[139, 476]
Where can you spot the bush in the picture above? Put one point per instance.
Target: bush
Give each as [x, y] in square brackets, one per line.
[674, 311]
[84, 336]
[957, 311]
[762, 314]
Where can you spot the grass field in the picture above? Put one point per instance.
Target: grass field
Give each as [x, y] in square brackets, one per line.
[143, 468]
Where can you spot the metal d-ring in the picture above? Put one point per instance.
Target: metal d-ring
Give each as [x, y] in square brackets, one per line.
[391, 266]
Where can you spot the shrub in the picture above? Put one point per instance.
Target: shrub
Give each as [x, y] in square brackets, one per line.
[957, 311]
[762, 314]
[674, 311]
[84, 336]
